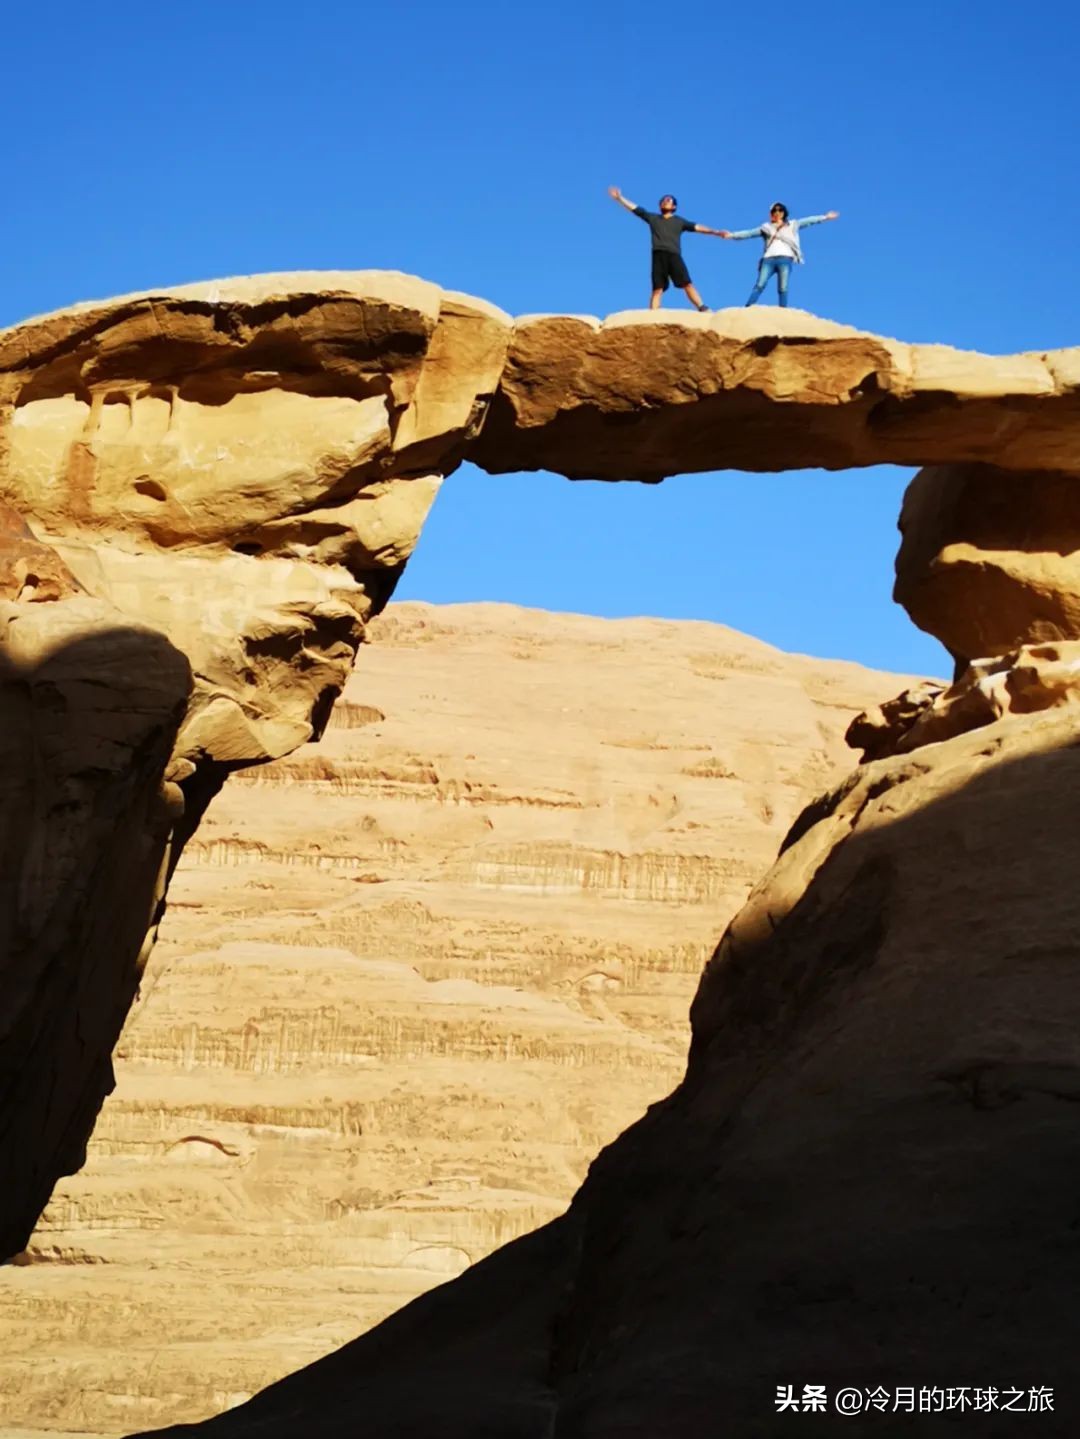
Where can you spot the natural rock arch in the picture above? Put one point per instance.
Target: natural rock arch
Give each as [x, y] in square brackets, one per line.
[238, 472]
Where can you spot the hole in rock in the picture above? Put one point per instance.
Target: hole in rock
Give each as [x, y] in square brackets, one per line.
[151, 489]
[802, 559]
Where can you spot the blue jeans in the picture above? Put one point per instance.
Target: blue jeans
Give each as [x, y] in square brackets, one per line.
[781, 268]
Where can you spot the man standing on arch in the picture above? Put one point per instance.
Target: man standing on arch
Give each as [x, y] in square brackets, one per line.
[668, 265]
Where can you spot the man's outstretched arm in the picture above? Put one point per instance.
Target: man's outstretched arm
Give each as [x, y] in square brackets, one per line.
[708, 230]
[617, 194]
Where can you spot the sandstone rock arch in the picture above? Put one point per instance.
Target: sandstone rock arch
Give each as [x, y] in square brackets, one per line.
[242, 468]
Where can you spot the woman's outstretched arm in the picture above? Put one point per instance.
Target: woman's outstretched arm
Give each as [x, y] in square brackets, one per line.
[818, 219]
[742, 234]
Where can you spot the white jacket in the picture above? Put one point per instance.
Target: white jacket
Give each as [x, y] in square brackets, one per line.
[781, 241]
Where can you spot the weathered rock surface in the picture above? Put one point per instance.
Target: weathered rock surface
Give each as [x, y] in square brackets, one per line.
[221, 484]
[642, 396]
[1032, 678]
[867, 1177]
[990, 560]
[411, 980]
[163, 443]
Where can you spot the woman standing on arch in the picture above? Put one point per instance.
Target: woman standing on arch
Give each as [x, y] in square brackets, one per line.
[782, 248]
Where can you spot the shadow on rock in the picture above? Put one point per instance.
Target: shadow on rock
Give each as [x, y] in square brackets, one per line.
[88, 715]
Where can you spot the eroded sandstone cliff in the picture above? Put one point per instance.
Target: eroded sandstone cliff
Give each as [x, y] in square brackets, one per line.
[411, 980]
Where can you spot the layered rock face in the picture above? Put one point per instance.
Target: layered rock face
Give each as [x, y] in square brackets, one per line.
[411, 980]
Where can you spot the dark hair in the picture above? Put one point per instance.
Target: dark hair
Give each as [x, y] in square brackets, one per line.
[671, 198]
[779, 206]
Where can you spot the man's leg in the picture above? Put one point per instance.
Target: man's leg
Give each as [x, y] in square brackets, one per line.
[783, 274]
[680, 276]
[659, 278]
[762, 276]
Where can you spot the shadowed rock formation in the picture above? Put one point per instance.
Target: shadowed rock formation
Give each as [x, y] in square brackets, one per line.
[90, 704]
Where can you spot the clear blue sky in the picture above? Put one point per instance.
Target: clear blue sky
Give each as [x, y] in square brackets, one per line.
[472, 143]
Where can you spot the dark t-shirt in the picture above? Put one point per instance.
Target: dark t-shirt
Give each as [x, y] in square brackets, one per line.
[667, 230]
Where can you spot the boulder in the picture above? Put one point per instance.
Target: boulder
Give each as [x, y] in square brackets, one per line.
[990, 558]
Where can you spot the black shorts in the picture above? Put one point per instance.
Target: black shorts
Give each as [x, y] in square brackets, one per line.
[667, 266]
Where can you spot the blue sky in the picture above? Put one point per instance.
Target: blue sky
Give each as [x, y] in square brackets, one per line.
[473, 144]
